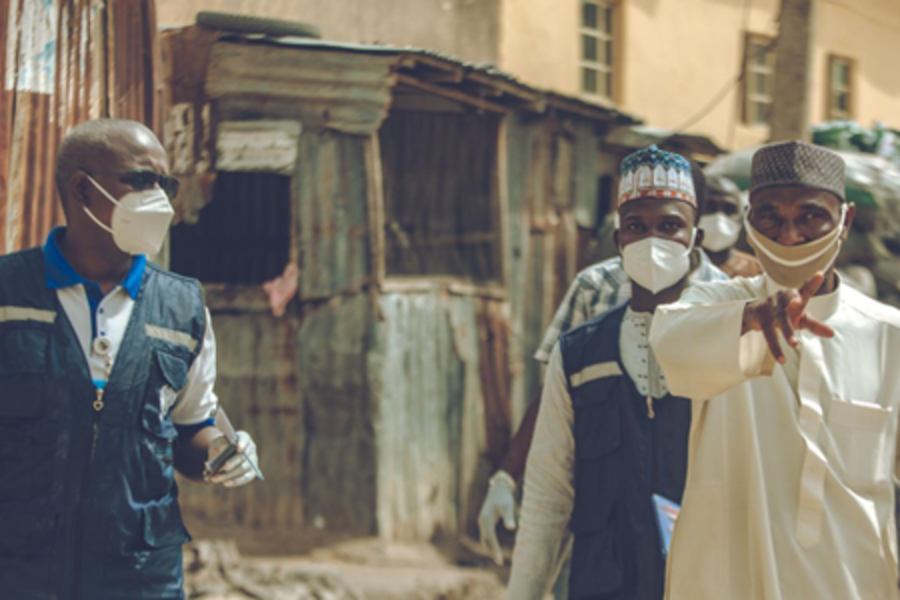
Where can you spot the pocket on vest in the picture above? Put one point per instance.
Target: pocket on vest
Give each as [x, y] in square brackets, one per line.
[168, 375]
[598, 439]
[151, 527]
[23, 380]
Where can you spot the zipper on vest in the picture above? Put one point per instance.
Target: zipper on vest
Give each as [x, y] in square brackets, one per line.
[85, 484]
[650, 412]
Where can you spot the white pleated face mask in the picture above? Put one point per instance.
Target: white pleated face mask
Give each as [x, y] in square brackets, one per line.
[720, 232]
[140, 220]
[657, 264]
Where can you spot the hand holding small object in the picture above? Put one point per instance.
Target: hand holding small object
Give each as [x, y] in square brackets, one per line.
[232, 465]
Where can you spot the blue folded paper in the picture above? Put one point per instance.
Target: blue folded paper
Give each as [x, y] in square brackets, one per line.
[666, 515]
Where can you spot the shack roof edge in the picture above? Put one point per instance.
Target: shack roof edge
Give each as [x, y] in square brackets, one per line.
[531, 97]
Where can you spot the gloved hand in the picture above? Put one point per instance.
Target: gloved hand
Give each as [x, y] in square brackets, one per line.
[500, 503]
[237, 471]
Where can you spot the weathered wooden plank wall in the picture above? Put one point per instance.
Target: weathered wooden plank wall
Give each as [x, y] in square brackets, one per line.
[421, 395]
[339, 466]
[552, 190]
[332, 218]
[444, 409]
[300, 385]
[378, 410]
[259, 385]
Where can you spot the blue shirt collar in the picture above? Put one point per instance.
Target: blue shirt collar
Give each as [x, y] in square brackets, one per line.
[59, 273]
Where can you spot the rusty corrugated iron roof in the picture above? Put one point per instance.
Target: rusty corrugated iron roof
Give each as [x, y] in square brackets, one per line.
[64, 62]
[339, 73]
[345, 92]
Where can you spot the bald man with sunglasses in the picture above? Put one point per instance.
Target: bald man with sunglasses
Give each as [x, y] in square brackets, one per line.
[107, 368]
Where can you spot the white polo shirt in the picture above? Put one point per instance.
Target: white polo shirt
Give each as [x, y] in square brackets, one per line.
[94, 315]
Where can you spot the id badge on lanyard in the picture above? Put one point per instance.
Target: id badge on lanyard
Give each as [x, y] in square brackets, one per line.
[103, 348]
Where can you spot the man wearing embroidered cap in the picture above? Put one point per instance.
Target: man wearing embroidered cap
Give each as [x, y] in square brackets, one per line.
[609, 435]
[107, 366]
[790, 487]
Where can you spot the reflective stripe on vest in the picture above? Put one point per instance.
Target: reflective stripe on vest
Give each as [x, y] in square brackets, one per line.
[21, 313]
[595, 372]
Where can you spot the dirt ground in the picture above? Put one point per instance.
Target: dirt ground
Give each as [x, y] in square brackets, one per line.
[357, 570]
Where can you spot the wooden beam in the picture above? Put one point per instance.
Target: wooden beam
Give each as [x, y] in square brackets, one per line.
[455, 76]
[452, 94]
[375, 205]
[415, 60]
[426, 102]
[452, 285]
[502, 86]
[598, 113]
[463, 239]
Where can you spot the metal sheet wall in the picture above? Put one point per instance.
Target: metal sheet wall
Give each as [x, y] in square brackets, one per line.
[332, 219]
[342, 91]
[549, 179]
[64, 61]
[440, 361]
[388, 411]
[440, 188]
[300, 385]
[391, 408]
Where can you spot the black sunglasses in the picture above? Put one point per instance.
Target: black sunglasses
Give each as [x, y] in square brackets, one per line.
[147, 180]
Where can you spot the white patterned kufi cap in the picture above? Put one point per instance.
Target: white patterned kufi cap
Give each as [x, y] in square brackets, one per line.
[655, 173]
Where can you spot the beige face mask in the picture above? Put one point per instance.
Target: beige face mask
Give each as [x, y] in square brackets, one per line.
[792, 266]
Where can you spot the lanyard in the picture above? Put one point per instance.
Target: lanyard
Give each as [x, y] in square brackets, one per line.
[103, 348]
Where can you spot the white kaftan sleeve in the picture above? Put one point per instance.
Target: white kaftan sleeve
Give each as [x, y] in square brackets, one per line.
[543, 538]
[698, 343]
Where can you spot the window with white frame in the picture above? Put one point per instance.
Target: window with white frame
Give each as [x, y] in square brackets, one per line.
[759, 79]
[840, 88]
[598, 48]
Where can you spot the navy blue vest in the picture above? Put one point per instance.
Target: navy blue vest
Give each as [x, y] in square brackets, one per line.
[88, 504]
[622, 457]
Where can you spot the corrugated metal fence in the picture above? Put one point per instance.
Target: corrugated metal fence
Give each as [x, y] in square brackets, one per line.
[65, 61]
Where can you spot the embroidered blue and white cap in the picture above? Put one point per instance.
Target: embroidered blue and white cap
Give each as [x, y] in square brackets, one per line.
[654, 173]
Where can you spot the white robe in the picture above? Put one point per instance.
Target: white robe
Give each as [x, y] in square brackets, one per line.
[790, 491]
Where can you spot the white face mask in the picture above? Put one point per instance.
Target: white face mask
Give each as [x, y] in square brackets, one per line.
[140, 220]
[657, 264]
[720, 232]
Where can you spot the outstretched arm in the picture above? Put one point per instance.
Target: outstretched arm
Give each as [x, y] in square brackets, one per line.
[720, 335]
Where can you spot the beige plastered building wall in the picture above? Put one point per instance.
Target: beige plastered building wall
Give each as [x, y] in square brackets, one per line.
[868, 33]
[676, 56]
[673, 56]
[467, 29]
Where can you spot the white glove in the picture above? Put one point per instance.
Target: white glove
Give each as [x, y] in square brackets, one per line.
[237, 471]
[500, 503]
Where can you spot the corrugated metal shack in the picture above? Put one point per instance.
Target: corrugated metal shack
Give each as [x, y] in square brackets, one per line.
[434, 211]
[65, 61]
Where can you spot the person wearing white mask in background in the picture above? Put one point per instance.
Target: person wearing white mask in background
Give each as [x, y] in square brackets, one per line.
[721, 223]
[107, 366]
[790, 491]
[609, 435]
[594, 291]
